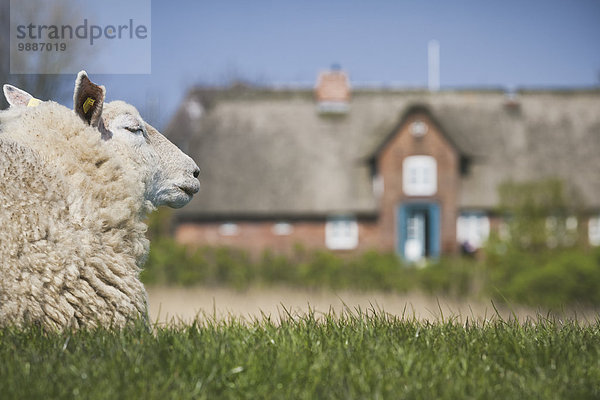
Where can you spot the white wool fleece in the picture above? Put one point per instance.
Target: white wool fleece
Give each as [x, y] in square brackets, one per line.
[72, 236]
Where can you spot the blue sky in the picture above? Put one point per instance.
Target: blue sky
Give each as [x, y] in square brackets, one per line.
[552, 43]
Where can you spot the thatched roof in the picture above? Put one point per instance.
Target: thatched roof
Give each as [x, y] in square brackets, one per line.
[269, 152]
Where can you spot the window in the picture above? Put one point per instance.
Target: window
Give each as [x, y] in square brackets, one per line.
[194, 109]
[341, 233]
[378, 186]
[594, 230]
[571, 223]
[418, 129]
[419, 176]
[229, 229]
[561, 230]
[333, 107]
[282, 229]
[472, 229]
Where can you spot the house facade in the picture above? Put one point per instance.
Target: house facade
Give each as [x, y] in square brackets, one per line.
[345, 169]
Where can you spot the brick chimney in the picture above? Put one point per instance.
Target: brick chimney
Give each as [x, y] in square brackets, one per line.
[332, 91]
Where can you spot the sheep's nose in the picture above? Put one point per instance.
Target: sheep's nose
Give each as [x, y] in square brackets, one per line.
[196, 172]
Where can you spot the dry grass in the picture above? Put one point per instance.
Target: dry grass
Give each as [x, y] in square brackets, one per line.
[176, 304]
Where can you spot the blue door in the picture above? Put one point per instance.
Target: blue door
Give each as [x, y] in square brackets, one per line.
[418, 230]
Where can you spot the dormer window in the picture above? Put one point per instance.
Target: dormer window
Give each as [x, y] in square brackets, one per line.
[419, 176]
[194, 109]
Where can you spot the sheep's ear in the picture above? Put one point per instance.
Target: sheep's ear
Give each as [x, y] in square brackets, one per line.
[88, 99]
[18, 97]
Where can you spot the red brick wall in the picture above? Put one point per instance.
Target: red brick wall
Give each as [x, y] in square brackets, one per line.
[403, 145]
[258, 236]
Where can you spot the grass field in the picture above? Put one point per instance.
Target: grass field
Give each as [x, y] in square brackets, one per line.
[353, 355]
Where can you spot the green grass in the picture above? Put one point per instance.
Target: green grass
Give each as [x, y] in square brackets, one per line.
[355, 355]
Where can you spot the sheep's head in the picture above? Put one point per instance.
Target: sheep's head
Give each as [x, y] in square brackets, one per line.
[170, 176]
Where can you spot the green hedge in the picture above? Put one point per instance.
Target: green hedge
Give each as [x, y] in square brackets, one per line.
[173, 264]
[552, 278]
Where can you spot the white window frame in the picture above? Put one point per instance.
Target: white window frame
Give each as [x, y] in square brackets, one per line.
[473, 227]
[419, 129]
[561, 230]
[282, 229]
[229, 229]
[419, 176]
[341, 233]
[194, 109]
[571, 223]
[594, 230]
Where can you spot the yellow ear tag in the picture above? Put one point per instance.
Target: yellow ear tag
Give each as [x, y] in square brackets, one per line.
[87, 104]
[33, 102]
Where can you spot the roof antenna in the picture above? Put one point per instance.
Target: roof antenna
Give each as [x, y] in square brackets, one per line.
[433, 56]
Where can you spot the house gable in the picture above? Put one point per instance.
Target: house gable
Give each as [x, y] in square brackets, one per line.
[420, 141]
[417, 117]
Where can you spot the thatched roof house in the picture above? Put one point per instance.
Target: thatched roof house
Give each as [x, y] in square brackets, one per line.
[289, 156]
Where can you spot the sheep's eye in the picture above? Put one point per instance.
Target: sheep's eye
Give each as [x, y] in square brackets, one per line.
[135, 129]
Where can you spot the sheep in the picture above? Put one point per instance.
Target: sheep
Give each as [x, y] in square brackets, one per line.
[75, 189]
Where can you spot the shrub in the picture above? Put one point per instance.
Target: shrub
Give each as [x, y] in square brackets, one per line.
[454, 276]
[380, 271]
[553, 278]
[170, 263]
[277, 268]
[538, 213]
[567, 277]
